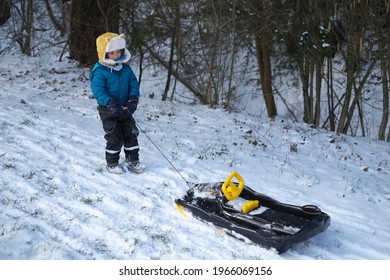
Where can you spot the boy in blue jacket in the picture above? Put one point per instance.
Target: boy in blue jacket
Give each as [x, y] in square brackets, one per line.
[116, 91]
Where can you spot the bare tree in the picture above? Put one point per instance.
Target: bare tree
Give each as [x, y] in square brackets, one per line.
[308, 45]
[89, 19]
[381, 20]
[360, 53]
[58, 24]
[175, 5]
[23, 33]
[263, 49]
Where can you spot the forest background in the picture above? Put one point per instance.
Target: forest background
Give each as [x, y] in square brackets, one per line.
[337, 52]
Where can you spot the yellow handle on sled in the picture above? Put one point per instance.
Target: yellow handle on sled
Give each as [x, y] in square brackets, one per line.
[250, 205]
[230, 189]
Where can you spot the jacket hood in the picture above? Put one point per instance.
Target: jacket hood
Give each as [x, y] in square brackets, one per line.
[109, 42]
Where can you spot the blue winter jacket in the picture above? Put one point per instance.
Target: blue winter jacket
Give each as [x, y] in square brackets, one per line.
[107, 83]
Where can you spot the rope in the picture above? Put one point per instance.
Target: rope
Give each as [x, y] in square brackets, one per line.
[170, 162]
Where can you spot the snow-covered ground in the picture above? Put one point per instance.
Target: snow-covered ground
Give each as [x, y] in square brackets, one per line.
[58, 202]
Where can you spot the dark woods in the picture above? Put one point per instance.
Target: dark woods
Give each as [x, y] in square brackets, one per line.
[213, 48]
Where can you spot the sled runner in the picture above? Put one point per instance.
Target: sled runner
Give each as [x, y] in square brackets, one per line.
[239, 210]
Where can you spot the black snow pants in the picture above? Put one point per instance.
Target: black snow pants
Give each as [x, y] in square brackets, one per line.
[120, 131]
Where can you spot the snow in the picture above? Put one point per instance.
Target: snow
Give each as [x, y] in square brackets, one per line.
[58, 202]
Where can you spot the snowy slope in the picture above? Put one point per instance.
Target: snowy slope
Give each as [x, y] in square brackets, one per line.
[58, 202]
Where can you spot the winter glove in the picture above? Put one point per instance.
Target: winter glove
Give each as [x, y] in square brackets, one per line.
[115, 109]
[132, 105]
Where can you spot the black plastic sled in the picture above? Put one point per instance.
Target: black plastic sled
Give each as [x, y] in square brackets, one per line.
[243, 212]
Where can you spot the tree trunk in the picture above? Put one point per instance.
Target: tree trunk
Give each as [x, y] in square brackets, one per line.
[264, 60]
[388, 81]
[175, 34]
[23, 38]
[331, 107]
[170, 67]
[351, 57]
[385, 90]
[357, 98]
[262, 41]
[305, 77]
[91, 18]
[312, 67]
[319, 72]
[5, 11]
[57, 25]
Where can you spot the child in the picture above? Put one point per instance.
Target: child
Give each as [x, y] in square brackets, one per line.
[116, 90]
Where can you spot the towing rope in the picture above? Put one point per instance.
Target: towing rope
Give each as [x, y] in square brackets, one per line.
[170, 162]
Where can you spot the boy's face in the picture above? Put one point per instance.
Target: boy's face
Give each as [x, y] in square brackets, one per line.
[114, 55]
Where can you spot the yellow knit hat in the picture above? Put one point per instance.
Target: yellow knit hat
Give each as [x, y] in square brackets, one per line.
[109, 42]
